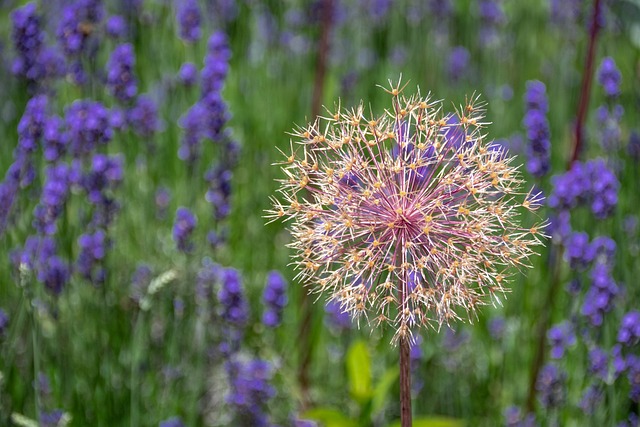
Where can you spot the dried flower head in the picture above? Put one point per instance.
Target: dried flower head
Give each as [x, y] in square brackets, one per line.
[408, 218]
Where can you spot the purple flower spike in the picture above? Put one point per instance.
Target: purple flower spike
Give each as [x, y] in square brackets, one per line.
[551, 386]
[189, 20]
[274, 299]
[561, 336]
[183, 229]
[188, 74]
[629, 332]
[120, 79]
[609, 77]
[116, 27]
[535, 121]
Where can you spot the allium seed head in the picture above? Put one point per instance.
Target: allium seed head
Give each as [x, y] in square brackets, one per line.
[409, 218]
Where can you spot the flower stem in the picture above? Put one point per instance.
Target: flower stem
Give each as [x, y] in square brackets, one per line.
[585, 89]
[405, 383]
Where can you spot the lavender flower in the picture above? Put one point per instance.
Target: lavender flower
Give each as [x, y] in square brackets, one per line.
[535, 121]
[590, 183]
[193, 123]
[629, 332]
[116, 27]
[216, 63]
[458, 62]
[633, 374]
[93, 248]
[54, 197]
[120, 79]
[633, 147]
[609, 126]
[189, 20]
[140, 281]
[172, 422]
[514, 418]
[143, 117]
[599, 363]
[491, 17]
[183, 228]
[188, 74]
[599, 297]
[382, 207]
[235, 310]
[31, 125]
[88, 123]
[76, 25]
[250, 391]
[54, 139]
[551, 386]
[54, 273]
[28, 39]
[206, 280]
[51, 419]
[337, 317]
[579, 252]
[219, 192]
[609, 77]
[591, 398]
[99, 183]
[4, 322]
[274, 298]
[497, 327]
[561, 336]
[162, 199]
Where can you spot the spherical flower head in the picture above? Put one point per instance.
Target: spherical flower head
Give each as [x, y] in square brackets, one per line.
[408, 218]
[609, 77]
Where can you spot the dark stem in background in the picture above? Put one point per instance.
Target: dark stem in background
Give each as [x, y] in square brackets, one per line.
[305, 335]
[587, 77]
[556, 255]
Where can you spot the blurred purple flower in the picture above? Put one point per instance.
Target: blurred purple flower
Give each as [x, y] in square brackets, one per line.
[609, 77]
[458, 62]
[216, 63]
[599, 297]
[172, 422]
[88, 124]
[116, 26]
[183, 228]
[560, 337]
[337, 318]
[121, 81]
[629, 332]
[143, 117]
[189, 18]
[249, 390]
[93, 248]
[591, 398]
[599, 363]
[551, 386]
[4, 321]
[274, 299]
[188, 74]
[162, 199]
[537, 126]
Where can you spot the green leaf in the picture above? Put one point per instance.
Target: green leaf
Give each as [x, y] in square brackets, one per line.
[328, 417]
[359, 371]
[382, 389]
[433, 422]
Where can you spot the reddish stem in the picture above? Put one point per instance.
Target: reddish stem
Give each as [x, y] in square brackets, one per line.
[405, 383]
[585, 89]
[583, 104]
